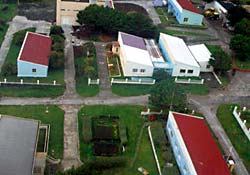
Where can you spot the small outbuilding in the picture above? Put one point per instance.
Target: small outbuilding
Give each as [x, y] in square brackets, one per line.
[33, 59]
[194, 147]
[202, 56]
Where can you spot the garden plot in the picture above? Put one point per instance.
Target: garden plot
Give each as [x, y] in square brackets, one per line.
[114, 66]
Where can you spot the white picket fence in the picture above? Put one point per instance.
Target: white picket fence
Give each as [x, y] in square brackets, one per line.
[188, 81]
[22, 82]
[241, 123]
[97, 81]
[128, 81]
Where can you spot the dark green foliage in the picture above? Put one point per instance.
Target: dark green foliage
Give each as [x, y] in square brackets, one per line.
[240, 44]
[236, 14]
[97, 166]
[167, 95]
[5, 8]
[57, 39]
[56, 30]
[243, 27]
[56, 60]
[87, 129]
[58, 47]
[9, 69]
[160, 75]
[2, 23]
[221, 62]
[159, 136]
[107, 20]
[19, 36]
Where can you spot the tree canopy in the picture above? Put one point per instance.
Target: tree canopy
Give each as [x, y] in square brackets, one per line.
[167, 94]
[240, 44]
[243, 27]
[111, 21]
[236, 14]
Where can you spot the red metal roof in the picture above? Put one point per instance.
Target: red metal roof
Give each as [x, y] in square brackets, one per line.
[36, 49]
[205, 154]
[187, 5]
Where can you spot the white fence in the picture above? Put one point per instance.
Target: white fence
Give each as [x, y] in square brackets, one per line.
[97, 81]
[188, 81]
[149, 112]
[128, 81]
[22, 82]
[241, 123]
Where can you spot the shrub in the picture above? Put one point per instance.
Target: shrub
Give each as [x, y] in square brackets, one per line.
[56, 30]
[19, 37]
[57, 39]
[5, 8]
[2, 23]
[58, 47]
[159, 136]
[9, 69]
[87, 129]
[56, 60]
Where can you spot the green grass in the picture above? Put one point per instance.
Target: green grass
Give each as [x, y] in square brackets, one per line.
[7, 15]
[54, 118]
[176, 32]
[166, 19]
[234, 132]
[31, 91]
[130, 116]
[224, 79]
[200, 89]
[82, 87]
[130, 90]
[242, 64]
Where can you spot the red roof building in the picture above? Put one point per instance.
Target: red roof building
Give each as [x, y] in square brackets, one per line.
[35, 49]
[194, 146]
[187, 5]
[33, 59]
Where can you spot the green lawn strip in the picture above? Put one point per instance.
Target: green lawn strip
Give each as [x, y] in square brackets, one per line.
[54, 118]
[31, 91]
[234, 132]
[130, 90]
[176, 32]
[243, 64]
[129, 115]
[7, 16]
[145, 157]
[224, 79]
[200, 89]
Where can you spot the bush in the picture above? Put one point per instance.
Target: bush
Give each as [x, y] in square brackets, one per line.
[58, 47]
[5, 8]
[87, 129]
[159, 136]
[9, 69]
[56, 30]
[56, 60]
[19, 37]
[2, 23]
[57, 39]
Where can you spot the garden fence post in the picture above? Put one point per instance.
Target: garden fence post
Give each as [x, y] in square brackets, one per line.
[112, 80]
[54, 83]
[202, 81]
[98, 81]
[175, 79]
[244, 122]
[140, 81]
[5, 80]
[21, 81]
[153, 81]
[89, 81]
[126, 80]
[189, 80]
[37, 81]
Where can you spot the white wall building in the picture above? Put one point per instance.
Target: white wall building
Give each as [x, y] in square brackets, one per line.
[177, 54]
[202, 56]
[134, 56]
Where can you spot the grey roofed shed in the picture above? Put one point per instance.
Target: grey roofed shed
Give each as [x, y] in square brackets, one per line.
[18, 138]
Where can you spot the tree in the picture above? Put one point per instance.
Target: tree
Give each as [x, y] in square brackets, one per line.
[89, 71]
[57, 39]
[243, 27]
[160, 75]
[56, 30]
[56, 60]
[167, 95]
[19, 37]
[221, 62]
[236, 14]
[110, 21]
[240, 45]
[9, 69]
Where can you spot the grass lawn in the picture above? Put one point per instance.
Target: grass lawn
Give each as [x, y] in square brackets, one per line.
[200, 89]
[166, 19]
[242, 64]
[235, 134]
[31, 91]
[176, 32]
[130, 116]
[7, 16]
[54, 118]
[224, 79]
[130, 90]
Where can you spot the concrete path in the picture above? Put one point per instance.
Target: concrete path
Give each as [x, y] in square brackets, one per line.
[71, 154]
[69, 67]
[18, 23]
[148, 5]
[105, 87]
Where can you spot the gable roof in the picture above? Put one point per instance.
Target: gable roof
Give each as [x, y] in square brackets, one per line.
[205, 154]
[35, 49]
[133, 41]
[178, 49]
[200, 52]
[18, 138]
[187, 5]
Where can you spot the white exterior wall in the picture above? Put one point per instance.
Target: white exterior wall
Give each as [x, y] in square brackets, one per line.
[204, 64]
[181, 154]
[178, 66]
[24, 69]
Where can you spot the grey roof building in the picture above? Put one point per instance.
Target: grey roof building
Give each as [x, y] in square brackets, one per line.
[18, 140]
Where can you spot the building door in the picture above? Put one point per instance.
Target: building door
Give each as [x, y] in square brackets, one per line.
[65, 20]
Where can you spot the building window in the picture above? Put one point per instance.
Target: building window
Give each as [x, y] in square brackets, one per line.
[33, 70]
[117, 49]
[190, 71]
[185, 19]
[62, 9]
[208, 66]
[135, 70]
[142, 70]
[182, 71]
